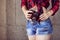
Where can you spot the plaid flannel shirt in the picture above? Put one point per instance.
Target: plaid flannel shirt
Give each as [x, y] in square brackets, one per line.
[31, 3]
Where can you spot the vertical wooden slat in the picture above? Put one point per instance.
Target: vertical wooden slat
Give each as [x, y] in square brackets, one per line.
[20, 22]
[3, 20]
[2, 12]
[10, 19]
[10, 12]
[56, 25]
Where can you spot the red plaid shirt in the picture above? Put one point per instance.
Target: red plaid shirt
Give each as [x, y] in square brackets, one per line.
[31, 3]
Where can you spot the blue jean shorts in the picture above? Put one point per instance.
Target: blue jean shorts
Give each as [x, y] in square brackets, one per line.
[39, 28]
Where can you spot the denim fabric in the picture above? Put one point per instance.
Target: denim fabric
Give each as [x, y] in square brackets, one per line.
[37, 28]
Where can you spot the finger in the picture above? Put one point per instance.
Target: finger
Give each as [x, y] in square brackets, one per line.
[29, 15]
[30, 11]
[42, 18]
[44, 9]
[41, 15]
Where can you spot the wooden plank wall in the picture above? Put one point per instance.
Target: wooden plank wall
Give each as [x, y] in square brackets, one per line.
[15, 21]
[3, 20]
[12, 21]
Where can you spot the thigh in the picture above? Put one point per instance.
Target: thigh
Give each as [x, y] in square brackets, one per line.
[32, 37]
[43, 37]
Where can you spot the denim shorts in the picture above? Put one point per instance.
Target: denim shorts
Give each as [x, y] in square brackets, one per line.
[39, 28]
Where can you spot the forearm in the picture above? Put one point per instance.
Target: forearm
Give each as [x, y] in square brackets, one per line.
[50, 12]
[55, 6]
[24, 9]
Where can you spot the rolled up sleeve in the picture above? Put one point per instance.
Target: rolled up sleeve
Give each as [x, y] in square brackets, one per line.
[23, 3]
[55, 6]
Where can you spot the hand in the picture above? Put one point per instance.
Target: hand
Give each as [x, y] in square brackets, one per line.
[46, 14]
[28, 16]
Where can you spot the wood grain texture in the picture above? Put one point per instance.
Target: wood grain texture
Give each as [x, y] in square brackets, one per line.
[13, 22]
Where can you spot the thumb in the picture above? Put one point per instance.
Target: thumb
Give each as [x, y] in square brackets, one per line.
[30, 11]
[44, 9]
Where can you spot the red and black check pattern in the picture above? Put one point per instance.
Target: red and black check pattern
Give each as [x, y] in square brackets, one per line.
[30, 3]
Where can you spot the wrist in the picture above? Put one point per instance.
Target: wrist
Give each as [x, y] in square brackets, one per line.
[50, 12]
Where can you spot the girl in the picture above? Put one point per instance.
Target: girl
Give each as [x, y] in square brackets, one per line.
[39, 30]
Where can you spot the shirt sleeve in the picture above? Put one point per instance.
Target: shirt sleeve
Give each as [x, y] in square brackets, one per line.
[55, 6]
[45, 3]
[23, 3]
